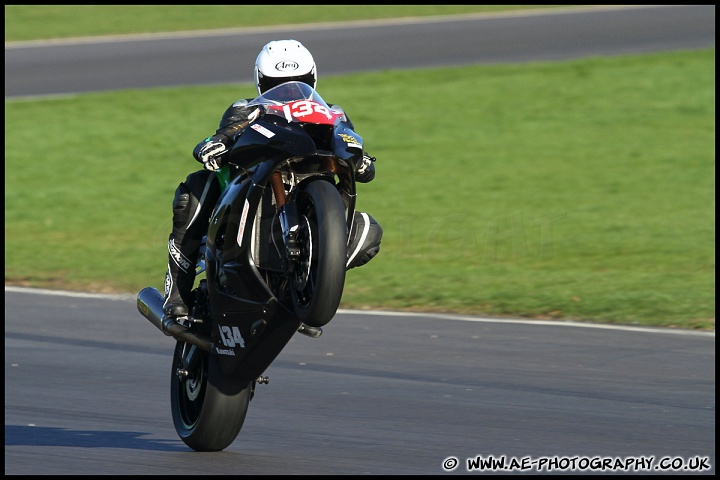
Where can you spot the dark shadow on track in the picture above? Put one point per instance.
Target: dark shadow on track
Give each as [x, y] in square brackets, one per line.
[23, 435]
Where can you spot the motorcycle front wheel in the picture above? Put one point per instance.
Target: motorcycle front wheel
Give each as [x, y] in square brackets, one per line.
[208, 408]
[319, 276]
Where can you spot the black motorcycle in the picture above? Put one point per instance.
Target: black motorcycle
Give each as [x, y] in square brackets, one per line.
[275, 258]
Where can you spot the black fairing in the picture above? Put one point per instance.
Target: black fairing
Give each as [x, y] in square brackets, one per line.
[239, 294]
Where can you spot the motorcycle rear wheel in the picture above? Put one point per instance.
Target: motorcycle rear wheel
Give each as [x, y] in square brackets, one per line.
[319, 278]
[208, 408]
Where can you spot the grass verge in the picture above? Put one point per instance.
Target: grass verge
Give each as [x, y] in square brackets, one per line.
[581, 190]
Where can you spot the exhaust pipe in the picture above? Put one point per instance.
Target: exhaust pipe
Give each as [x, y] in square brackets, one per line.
[150, 305]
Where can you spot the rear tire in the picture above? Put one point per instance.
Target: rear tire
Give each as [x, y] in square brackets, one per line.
[319, 278]
[208, 408]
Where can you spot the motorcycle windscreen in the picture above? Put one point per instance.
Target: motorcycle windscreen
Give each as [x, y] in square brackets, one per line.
[297, 102]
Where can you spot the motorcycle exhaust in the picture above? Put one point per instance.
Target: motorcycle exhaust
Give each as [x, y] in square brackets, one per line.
[150, 305]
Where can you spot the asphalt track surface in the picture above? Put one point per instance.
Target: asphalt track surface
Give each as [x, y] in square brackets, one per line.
[228, 57]
[87, 378]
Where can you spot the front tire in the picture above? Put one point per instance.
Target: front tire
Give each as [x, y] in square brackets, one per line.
[319, 276]
[208, 408]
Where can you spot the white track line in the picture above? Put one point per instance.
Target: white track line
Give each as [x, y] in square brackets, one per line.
[438, 316]
[62, 293]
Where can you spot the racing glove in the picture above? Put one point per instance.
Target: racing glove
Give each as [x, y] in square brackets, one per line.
[211, 154]
[365, 169]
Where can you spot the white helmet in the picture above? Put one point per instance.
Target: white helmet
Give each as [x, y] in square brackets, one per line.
[282, 61]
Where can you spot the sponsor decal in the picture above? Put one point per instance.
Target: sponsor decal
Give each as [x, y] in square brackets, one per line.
[286, 66]
[143, 308]
[243, 220]
[224, 351]
[350, 140]
[262, 130]
[177, 256]
[168, 284]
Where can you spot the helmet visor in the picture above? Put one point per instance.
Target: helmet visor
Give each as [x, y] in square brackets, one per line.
[266, 83]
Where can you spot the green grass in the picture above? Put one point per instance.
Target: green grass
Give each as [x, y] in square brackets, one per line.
[32, 22]
[577, 190]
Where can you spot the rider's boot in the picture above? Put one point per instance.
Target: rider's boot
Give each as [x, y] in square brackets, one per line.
[179, 281]
[365, 239]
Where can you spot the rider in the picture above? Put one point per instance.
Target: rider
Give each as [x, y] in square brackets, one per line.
[278, 62]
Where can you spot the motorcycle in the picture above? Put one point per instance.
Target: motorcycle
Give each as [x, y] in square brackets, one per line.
[275, 258]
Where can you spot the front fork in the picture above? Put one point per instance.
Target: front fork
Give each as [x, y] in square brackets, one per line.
[289, 220]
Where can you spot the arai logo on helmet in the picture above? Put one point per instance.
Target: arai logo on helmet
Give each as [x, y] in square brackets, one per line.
[286, 66]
